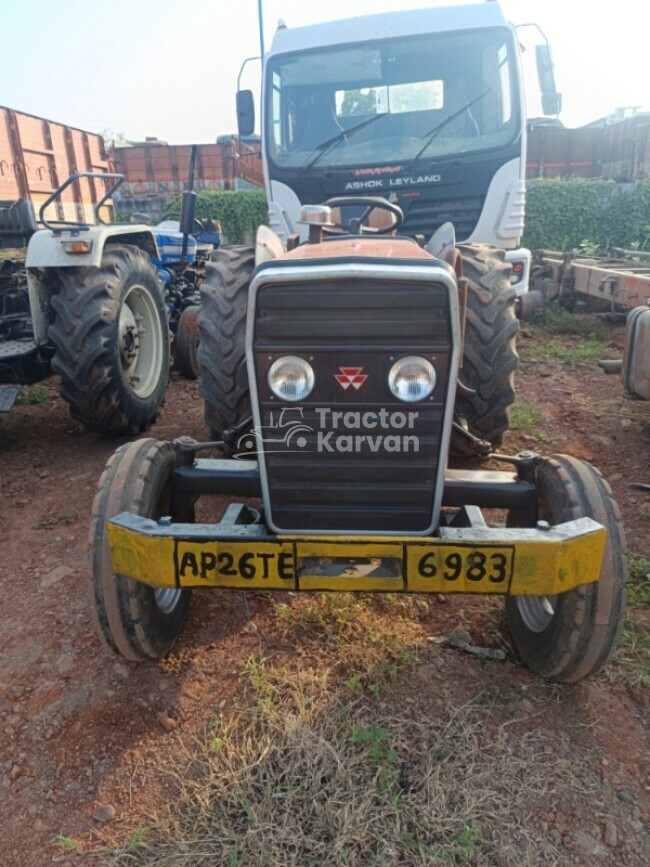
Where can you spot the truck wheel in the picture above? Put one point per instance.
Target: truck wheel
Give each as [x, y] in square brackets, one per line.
[222, 338]
[528, 304]
[569, 636]
[187, 343]
[134, 620]
[490, 356]
[111, 340]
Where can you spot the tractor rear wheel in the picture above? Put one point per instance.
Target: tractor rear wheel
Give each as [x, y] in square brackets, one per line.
[490, 355]
[574, 634]
[111, 340]
[187, 343]
[133, 619]
[222, 338]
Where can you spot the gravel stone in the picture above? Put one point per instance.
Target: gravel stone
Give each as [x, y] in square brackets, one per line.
[610, 834]
[104, 813]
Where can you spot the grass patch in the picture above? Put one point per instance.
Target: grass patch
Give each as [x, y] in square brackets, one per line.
[631, 663]
[50, 521]
[135, 843]
[563, 351]
[302, 773]
[566, 338]
[362, 636]
[556, 321]
[638, 580]
[68, 844]
[342, 750]
[527, 418]
[34, 394]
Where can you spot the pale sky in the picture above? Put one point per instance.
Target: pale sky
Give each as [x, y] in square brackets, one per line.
[168, 68]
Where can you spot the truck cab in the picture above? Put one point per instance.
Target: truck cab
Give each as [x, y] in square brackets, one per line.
[422, 107]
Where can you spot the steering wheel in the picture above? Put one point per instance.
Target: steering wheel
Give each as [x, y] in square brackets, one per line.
[354, 225]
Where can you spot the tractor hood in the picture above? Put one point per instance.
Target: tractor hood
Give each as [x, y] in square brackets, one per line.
[357, 246]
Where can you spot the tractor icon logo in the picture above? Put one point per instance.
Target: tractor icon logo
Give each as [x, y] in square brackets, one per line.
[350, 376]
[286, 431]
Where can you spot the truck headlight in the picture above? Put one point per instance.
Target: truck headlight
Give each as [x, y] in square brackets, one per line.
[291, 378]
[412, 378]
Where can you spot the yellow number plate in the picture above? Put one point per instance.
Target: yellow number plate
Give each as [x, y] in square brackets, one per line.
[269, 565]
[459, 569]
[422, 568]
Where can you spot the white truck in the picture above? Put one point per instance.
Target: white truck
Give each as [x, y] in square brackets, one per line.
[423, 107]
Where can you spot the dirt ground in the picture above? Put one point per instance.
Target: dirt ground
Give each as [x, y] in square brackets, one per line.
[83, 733]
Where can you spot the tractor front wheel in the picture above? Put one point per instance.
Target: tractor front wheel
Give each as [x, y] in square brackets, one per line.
[135, 620]
[574, 634]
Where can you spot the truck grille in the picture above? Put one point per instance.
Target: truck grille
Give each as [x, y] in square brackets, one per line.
[424, 217]
[348, 459]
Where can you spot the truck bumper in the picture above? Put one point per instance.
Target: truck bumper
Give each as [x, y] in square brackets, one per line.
[544, 561]
[521, 260]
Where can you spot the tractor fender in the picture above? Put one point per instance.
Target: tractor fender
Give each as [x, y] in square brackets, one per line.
[268, 245]
[46, 254]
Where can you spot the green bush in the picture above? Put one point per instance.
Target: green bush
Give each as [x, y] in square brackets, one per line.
[628, 217]
[560, 214]
[239, 212]
[563, 214]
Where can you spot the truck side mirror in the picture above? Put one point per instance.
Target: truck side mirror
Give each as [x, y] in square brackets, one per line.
[245, 112]
[551, 99]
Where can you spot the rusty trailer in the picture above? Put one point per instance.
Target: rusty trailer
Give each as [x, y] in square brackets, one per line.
[618, 284]
[614, 284]
[38, 155]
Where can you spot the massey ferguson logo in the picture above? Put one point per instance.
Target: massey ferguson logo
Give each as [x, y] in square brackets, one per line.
[350, 376]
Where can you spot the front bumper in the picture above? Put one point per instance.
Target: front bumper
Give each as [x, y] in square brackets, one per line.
[507, 561]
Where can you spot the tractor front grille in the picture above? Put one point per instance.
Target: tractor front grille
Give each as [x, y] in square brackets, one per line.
[351, 457]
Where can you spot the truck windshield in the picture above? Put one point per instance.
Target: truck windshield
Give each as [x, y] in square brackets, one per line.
[399, 100]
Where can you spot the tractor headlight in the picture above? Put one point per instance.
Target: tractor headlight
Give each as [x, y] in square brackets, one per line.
[412, 378]
[291, 378]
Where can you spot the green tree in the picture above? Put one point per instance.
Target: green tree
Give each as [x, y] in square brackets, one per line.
[359, 102]
[240, 212]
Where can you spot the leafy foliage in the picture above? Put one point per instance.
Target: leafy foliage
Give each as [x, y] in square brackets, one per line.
[628, 215]
[561, 214]
[359, 102]
[239, 212]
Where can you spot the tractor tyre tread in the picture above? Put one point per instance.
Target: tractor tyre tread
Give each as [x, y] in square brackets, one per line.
[84, 334]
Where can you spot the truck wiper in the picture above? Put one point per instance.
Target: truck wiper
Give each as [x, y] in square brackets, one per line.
[325, 146]
[431, 135]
